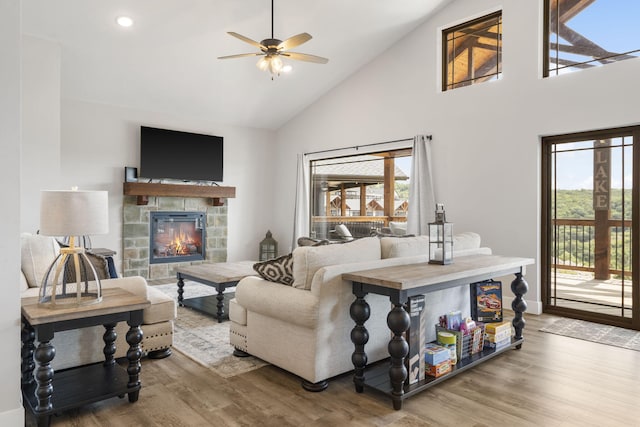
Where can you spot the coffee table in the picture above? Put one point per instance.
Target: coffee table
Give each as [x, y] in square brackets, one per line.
[220, 275]
[45, 393]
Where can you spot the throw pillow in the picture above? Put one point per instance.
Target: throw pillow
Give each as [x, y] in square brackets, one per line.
[278, 270]
[310, 241]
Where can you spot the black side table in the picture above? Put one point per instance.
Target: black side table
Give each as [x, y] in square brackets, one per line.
[45, 393]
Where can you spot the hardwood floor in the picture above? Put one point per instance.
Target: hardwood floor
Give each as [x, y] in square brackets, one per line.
[551, 381]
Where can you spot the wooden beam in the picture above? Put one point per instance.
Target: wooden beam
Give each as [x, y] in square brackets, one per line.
[327, 203]
[363, 199]
[389, 185]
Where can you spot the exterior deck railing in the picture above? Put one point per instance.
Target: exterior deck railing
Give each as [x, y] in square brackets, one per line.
[322, 227]
[573, 245]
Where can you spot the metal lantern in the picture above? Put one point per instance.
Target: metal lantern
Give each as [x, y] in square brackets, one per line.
[440, 238]
[268, 248]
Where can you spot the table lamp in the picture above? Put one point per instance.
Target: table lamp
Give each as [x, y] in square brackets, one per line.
[71, 280]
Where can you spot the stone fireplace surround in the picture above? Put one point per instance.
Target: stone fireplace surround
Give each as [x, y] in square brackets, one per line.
[136, 234]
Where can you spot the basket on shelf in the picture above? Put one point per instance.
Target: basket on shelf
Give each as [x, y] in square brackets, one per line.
[468, 344]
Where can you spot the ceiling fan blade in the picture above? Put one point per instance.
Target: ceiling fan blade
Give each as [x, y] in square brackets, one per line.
[240, 55]
[294, 41]
[305, 57]
[247, 40]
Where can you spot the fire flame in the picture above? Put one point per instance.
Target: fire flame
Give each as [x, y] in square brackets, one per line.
[179, 243]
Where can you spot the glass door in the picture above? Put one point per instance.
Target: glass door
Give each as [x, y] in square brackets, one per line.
[589, 223]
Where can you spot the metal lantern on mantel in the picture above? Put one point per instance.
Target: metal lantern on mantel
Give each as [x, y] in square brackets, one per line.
[440, 238]
[268, 247]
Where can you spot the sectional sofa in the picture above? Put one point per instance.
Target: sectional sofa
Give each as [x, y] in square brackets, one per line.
[305, 328]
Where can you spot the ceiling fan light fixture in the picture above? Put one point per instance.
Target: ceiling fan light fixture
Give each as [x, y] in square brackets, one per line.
[271, 50]
[263, 63]
[275, 65]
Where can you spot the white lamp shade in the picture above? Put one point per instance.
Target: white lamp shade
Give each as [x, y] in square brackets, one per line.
[74, 213]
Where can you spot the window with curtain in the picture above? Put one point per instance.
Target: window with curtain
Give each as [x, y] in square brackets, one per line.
[363, 192]
[583, 34]
[472, 52]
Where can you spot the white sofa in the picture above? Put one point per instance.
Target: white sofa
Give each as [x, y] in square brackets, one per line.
[305, 328]
[83, 346]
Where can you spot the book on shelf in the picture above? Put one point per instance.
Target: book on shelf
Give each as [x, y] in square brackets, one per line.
[416, 337]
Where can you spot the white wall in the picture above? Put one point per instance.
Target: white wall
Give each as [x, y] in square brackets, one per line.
[40, 126]
[98, 141]
[11, 411]
[486, 138]
[75, 143]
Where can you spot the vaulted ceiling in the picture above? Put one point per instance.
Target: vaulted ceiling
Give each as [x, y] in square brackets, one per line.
[167, 61]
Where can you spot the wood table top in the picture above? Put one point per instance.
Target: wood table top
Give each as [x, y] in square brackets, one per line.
[114, 300]
[220, 272]
[403, 277]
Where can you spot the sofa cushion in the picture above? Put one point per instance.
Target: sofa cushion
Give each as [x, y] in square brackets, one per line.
[393, 247]
[466, 240]
[37, 253]
[397, 247]
[24, 286]
[309, 259]
[285, 303]
[162, 307]
[278, 270]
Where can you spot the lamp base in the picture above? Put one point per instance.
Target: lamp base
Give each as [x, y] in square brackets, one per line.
[60, 290]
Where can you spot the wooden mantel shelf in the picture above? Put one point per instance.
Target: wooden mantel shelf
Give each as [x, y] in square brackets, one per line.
[145, 189]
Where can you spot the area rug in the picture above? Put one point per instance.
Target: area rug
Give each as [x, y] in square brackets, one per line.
[588, 331]
[203, 339]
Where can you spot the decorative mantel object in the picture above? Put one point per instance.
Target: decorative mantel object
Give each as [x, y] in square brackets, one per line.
[71, 280]
[268, 247]
[440, 238]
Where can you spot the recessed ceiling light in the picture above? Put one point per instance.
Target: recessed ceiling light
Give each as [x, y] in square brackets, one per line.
[124, 21]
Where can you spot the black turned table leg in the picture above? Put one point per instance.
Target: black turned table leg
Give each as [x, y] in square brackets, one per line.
[180, 289]
[398, 321]
[44, 354]
[220, 305]
[519, 287]
[360, 312]
[109, 339]
[134, 337]
[28, 336]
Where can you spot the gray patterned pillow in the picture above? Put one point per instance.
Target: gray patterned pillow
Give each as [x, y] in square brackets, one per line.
[278, 270]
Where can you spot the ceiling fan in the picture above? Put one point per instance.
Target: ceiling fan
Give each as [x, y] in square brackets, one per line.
[273, 49]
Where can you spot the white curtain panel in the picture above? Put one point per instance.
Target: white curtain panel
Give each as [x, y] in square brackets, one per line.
[422, 203]
[301, 212]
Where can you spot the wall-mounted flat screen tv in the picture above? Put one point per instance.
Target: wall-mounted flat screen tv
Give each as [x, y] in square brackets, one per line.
[170, 154]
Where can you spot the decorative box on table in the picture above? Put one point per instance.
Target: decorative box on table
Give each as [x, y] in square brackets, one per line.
[497, 332]
[439, 370]
[486, 301]
[505, 342]
[435, 354]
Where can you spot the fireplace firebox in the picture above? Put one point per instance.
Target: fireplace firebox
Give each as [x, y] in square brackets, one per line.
[177, 236]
